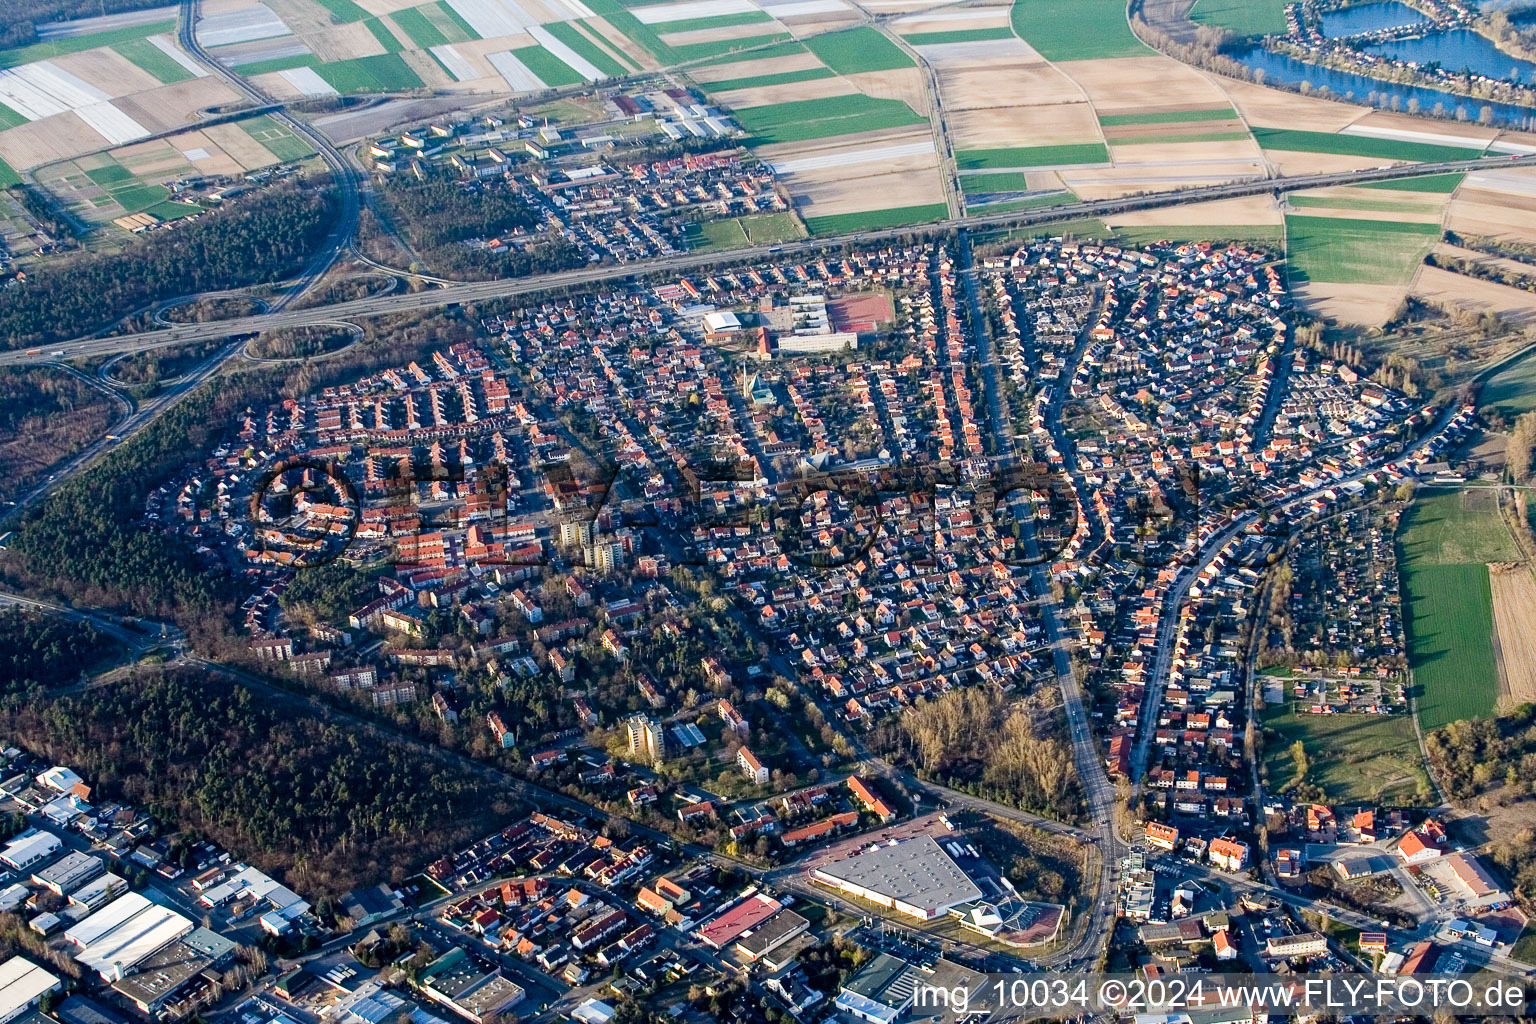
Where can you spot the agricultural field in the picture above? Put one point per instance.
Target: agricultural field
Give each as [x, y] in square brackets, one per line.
[873, 219]
[1031, 156]
[802, 120]
[858, 49]
[1512, 391]
[1242, 17]
[1447, 539]
[1355, 251]
[1068, 30]
[1499, 204]
[1351, 758]
[1361, 145]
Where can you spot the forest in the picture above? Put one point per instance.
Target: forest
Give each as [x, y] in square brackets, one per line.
[262, 238]
[43, 650]
[45, 415]
[983, 741]
[1479, 756]
[328, 807]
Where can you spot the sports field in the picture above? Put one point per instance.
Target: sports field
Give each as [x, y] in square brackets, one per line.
[762, 229]
[1512, 391]
[1348, 251]
[279, 141]
[845, 222]
[1445, 542]
[1064, 30]
[1169, 117]
[1243, 17]
[1352, 758]
[800, 120]
[858, 49]
[1031, 156]
[1360, 145]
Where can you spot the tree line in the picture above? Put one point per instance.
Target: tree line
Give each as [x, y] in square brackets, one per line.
[19, 18]
[263, 238]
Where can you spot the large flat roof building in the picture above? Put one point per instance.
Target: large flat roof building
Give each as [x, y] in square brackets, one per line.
[27, 851]
[125, 933]
[69, 873]
[22, 984]
[915, 877]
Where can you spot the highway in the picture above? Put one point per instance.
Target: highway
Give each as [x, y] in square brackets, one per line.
[481, 291]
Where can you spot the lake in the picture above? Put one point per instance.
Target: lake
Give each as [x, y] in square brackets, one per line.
[1456, 49]
[1352, 21]
[1281, 68]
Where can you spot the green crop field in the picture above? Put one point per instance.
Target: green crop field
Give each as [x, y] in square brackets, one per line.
[151, 58]
[858, 49]
[110, 176]
[845, 222]
[426, 31]
[1142, 140]
[384, 35]
[1169, 117]
[262, 67]
[715, 21]
[784, 49]
[550, 69]
[1423, 183]
[964, 35]
[1031, 156]
[1345, 251]
[757, 81]
[453, 16]
[1512, 390]
[649, 36]
[8, 177]
[344, 11]
[1032, 203]
[1351, 203]
[78, 44]
[1243, 17]
[1076, 29]
[386, 72]
[1360, 145]
[760, 229]
[571, 36]
[1443, 546]
[799, 120]
[1352, 758]
[1004, 181]
[173, 210]
[9, 118]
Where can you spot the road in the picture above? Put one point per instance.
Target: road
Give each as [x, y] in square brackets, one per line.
[481, 291]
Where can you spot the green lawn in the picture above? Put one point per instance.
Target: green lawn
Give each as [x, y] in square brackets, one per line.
[344, 11]
[858, 49]
[1243, 17]
[799, 120]
[756, 81]
[9, 118]
[1031, 156]
[1004, 181]
[8, 177]
[571, 36]
[1343, 251]
[1512, 391]
[1444, 543]
[1360, 145]
[1353, 758]
[386, 72]
[1076, 29]
[78, 44]
[156, 61]
[736, 232]
[964, 35]
[1136, 140]
[550, 69]
[1351, 203]
[1423, 183]
[279, 141]
[384, 35]
[1169, 117]
[845, 222]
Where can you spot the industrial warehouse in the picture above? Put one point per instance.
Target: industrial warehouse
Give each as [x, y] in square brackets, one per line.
[914, 877]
